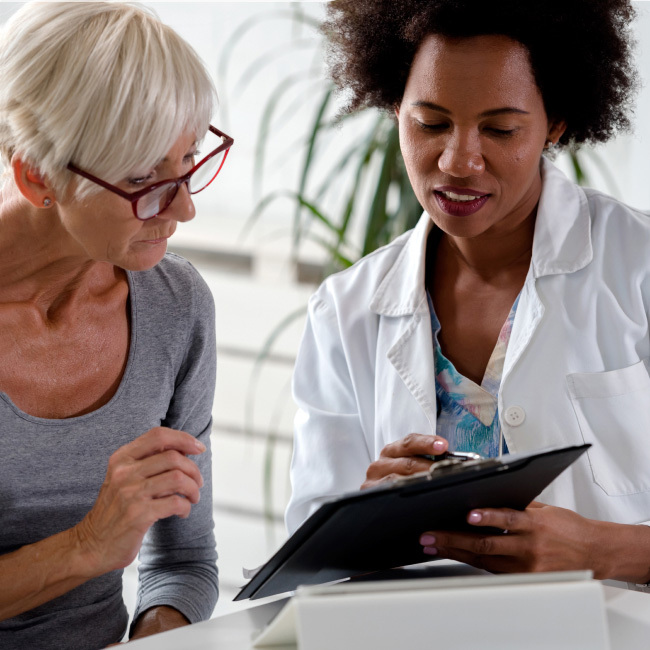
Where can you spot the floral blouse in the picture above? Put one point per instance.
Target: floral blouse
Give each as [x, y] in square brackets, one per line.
[468, 413]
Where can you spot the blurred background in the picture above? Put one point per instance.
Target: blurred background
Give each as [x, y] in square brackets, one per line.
[301, 194]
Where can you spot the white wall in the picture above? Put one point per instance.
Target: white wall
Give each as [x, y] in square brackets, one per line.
[206, 26]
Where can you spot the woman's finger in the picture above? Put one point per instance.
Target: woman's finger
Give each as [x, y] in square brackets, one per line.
[167, 461]
[400, 466]
[504, 518]
[157, 440]
[369, 483]
[475, 544]
[169, 483]
[170, 506]
[415, 444]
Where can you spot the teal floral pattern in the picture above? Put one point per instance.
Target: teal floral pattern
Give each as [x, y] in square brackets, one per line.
[468, 414]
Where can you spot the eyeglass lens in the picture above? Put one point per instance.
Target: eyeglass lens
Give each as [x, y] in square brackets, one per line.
[155, 202]
[205, 174]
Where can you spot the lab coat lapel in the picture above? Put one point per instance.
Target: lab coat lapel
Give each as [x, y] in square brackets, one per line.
[561, 244]
[412, 358]
[406, 328]
[529, 314]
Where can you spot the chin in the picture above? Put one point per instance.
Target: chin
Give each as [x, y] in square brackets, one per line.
[141, 261]
[465, 227]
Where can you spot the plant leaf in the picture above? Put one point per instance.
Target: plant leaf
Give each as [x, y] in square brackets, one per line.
[266, 59]
[265, 126]
[376, 230]
[334, 250]
[306, 166]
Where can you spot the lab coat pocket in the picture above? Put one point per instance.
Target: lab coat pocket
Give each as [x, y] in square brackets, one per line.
[613, 411]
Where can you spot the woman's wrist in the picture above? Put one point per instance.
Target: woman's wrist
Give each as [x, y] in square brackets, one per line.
[87, 558]
[39, 572]
[158, 619]
[623, 552]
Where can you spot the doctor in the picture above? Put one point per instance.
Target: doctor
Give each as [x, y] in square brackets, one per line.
[514, 317]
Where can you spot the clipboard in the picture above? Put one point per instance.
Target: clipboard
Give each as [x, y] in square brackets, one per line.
[379, 528]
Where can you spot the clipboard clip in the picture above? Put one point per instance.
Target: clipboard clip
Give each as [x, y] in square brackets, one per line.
[453, 459]
[447, 461]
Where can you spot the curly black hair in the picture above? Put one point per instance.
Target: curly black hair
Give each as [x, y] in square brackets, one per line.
[580, 52]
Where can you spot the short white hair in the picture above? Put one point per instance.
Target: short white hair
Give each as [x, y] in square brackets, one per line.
[103, 85]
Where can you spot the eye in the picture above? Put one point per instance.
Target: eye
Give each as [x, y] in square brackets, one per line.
[436, 128]
[140, 180]
[501, 132]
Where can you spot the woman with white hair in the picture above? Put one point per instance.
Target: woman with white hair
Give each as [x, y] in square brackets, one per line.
[106, 341]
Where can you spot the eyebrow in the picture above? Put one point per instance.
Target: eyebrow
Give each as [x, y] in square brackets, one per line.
[490, 113]
[165, 159]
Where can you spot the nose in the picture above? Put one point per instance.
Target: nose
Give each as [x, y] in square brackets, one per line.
[182, 207]
[462, 155]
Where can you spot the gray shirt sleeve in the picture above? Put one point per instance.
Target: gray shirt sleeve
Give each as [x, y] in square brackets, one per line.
[178, 556]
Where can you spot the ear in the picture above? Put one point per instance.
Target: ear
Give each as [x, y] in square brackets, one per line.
[556, 129]
[32, 184]
[397, 111]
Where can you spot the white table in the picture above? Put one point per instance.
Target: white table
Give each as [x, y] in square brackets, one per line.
[628, 614]
[232, 631]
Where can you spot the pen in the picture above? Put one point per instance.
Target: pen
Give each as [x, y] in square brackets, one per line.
[450, 455]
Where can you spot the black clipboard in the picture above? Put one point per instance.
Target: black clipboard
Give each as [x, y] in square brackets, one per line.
[379, 528]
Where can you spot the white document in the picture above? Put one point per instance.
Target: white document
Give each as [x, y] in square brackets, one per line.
[281, 631]
[558, 610]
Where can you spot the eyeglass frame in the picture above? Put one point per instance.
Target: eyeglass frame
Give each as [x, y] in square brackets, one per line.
[134, 197]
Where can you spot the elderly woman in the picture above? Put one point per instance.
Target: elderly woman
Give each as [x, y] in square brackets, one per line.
[107, 342]
[514, 317]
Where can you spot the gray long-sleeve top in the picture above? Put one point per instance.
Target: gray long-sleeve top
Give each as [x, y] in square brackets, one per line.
[51, 470]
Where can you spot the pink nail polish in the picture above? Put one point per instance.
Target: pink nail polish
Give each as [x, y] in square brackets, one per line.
[427, 540]
[474, 517]
[430, 550]
[438, 445]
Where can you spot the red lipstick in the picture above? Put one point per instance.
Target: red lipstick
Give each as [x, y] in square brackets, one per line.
[456, 208]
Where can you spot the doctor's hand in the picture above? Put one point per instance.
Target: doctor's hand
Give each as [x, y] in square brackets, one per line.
[541, 538]
[404, 457]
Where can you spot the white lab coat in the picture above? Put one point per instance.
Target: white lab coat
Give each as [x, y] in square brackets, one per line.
[575, 369]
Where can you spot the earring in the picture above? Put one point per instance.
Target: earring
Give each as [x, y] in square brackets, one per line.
[47, 202]
[549, 144]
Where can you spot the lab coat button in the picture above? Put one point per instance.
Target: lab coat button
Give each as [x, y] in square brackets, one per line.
[515, 416]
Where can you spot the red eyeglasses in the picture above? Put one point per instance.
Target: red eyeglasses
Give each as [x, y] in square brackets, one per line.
[149, 202]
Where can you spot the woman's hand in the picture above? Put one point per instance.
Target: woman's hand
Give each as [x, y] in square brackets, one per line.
[154, 621]
[404, 457]
[148, 479]
[541, 538]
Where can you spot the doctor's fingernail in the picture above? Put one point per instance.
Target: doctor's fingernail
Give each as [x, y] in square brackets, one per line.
[474, 517]
[200, 446]
[438, 445]
[427, 540]
[430, 550]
